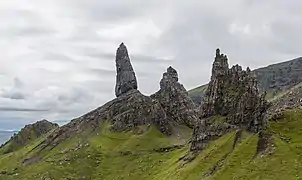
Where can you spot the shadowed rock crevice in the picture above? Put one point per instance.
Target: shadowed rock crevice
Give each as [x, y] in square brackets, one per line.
[265, 143]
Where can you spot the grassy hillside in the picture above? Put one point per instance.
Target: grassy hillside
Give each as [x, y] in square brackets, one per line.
[151, 155]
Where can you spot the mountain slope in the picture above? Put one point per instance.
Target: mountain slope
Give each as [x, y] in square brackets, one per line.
[154, 156]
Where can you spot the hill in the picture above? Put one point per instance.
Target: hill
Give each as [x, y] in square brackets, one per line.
[28, 134]
[154, 156]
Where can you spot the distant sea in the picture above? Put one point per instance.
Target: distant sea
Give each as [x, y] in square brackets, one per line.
[5, 136]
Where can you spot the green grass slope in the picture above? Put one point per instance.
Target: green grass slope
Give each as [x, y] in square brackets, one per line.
[150, 155]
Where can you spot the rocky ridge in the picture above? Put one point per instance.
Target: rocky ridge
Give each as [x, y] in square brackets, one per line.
[232, 93]
[273, 79]
[29, 133]
[169, 107]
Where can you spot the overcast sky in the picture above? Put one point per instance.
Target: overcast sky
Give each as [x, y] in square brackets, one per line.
[57, 57]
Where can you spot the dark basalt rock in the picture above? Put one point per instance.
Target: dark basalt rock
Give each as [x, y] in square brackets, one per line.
[175, 100]
[125, 78]
[127, 112]
[131, 110]
[206, 131]
[232, 93]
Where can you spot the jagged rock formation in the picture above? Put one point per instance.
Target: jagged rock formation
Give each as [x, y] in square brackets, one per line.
[125, 78]
[273, 79]
[29, 133]
[174, 98]
[232, 93]
[168, 107]
[126, 112]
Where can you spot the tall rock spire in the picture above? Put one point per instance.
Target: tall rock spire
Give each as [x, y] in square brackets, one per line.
[125, 78]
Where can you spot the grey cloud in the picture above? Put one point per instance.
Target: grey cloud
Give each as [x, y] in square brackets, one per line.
[134, 57]
[15, 92]
[14, 95]
[14, 109]
[113, 11]
[65, 54]
[27, 24]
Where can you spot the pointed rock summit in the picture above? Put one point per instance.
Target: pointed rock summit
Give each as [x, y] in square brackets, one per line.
[125, 78]
[232, 94]
[175, 100]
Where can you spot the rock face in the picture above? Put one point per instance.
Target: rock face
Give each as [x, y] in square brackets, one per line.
[125, 78]
[208, 130]
[233, 94]
[175, 100]
[169, 107]
[124, 113]
[29, 133]
[127, 112]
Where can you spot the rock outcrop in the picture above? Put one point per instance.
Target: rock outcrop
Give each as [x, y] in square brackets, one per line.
[290, 99]
[28, 134]
[129, 110]
[175, 100]
[232, 93]
[165, 109]
[124, 113]
[208, 130]
[125, 78]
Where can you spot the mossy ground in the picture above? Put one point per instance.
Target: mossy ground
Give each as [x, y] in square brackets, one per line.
[127, 156]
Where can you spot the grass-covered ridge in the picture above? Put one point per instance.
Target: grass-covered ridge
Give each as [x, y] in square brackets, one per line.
[147, 154]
